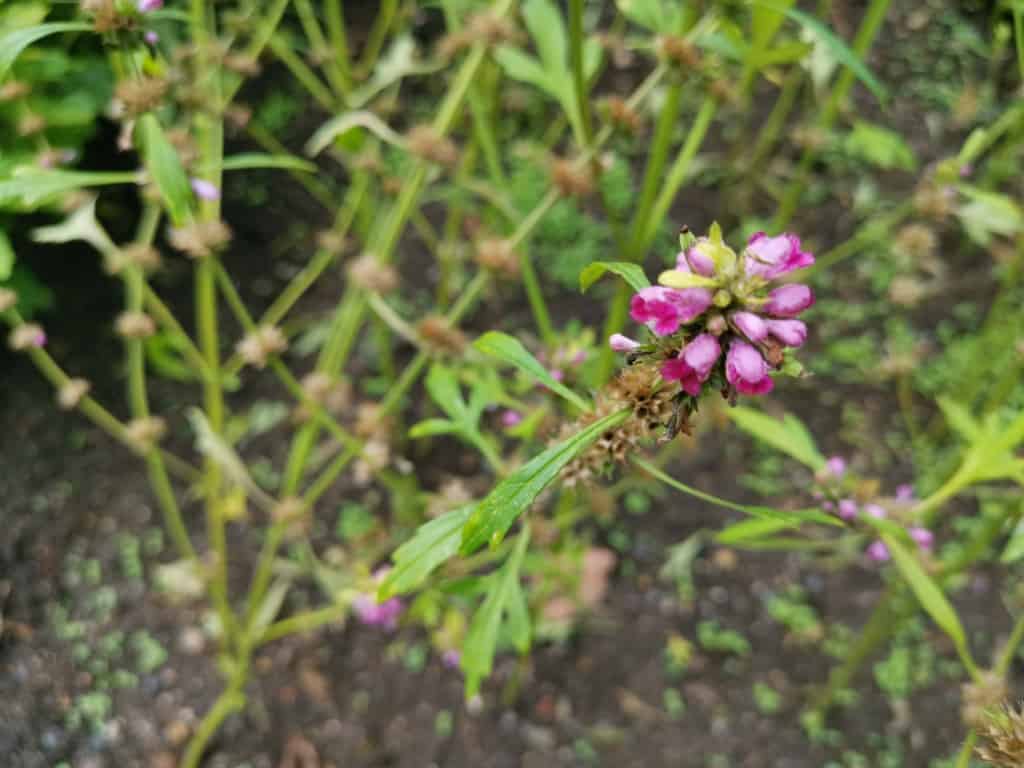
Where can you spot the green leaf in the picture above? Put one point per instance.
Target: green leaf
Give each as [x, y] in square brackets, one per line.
[655, 15]
[510, 350]
[788, 435]
[432, 544]
[1014, 550]
[6, 257]
[339, 127]
[445, 391]
[431, 427]
[511, 497]
[165, 168]
[751, 529]
[482, 639]
[251, 160]
[959, 419]
[545, 25]
[839, 49]
[989, 214]
[525, 69]
[32, 186]
[631, 273]
[14, 42]
[879, 146]
[928, 594]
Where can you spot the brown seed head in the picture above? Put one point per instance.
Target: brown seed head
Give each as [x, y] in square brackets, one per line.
[572, 179]
[679, 51]
[14, 89]
[497, 255]
[437, 332]
[71, 394]
[906, 291]
[260, 345]
[934, 201]
[490, 28]
[139, 95]
[369, 273]
[106, 17]
[135, 325]
[143, 434]
[291, 512]
[201, 238]
[238, 116]
[452, 44]
[141, 255]
[243, 64]
[623, 115]
[1001, 741]
[981, 697]
[31, 124]
[918, 241]
[371, 422]
[427, 144]
[331, 241]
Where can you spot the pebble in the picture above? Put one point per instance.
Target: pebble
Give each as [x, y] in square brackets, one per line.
[192, 641]
[176, 732]
[539, 737]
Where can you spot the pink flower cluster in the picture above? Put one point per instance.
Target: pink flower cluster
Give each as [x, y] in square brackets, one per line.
[726, 303]
[375, 614]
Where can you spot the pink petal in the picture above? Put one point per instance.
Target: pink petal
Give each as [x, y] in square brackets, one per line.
[792, 333]
[789, 300]
[751, 325]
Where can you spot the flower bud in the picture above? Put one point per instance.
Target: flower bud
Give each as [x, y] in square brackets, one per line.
[135, 325]
[722, 298]
[8, 299]
[26, 336]
[72, 392]
[260, 345]
[145, 433]
[427, 144]
[371, 274]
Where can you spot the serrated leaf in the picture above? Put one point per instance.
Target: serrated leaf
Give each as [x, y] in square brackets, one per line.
[928, 593]
[165, 168]
[432, 544]
[14, 42]
[253, 160]
[836, 46]
[788, 435]
[482, 639]
[513, 495]
[631, 273]
[510, 350]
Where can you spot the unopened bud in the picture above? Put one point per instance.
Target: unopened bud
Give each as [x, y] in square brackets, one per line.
[72, 392]
[27, 336]
[261, 344]
[145, 433]
[370, 273]
[572, 179]
[135, 325]
[8, 299]
[427, 144]
[437, 332]
[722, 298]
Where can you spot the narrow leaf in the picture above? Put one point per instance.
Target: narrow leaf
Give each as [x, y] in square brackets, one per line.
[513, 495]
[165, 168]
[16, 41]
[251, 160]
[545, 25]
[631, 273]
[510, 350]
[340, 125]
[6, 257]
[31, 186]
[788, 435]
[432, 544]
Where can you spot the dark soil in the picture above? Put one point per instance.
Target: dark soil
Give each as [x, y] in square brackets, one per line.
[354, 697]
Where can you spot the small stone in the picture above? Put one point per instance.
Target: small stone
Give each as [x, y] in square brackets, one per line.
[192, 641]
[176, 732]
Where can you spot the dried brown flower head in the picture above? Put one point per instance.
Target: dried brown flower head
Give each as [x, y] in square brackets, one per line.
[200, 238]
[437, 332]
[918, 241]
[106, 16]
[572, 179]
[331, 241]
[72, 392]
[143, 434]
[679, 51]
[906, 291]
[257, 347]
[934, 200]
[141, 255]
[424, 142]
[292, 513]
[183, 143]
[621, 114]
[30, 124]
[139, 95]
[375, 456]
[238, 116]
[491, 28]
[369, 273]
[243, 64]
[14, 89]
[1001, 739]
[497, 255]
[978, 698]
[370, 422]
[334, 396]
[135, 325]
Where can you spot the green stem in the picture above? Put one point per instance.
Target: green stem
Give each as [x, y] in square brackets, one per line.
[1010, 649]
[334, 18]
[301, 72]
[378, 34]
[317, 41]
[578, 79]
[963, 759]
[303, 622]
[231, 700]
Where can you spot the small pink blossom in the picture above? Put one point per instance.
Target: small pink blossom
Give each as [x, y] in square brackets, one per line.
[747, 370]
[847, 509]
[151, 37]
[557, 374]
[145, 6]
[205, 190]
[836, 466]
[789, 300]
[875, 511]
[663, 310]
[905, 492]
[694, 363]
[878, 552]
[922, 537]
[695, 261]
[451, 659]
[770, 257]
[620, 343]
[792, 333]
[750, 325]
[511, 418]
[375, 614]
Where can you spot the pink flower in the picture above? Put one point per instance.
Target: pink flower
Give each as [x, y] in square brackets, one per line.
[750, 325]
[151, 37]
[878, 552]
[847, 509]
[557, 374]
[792, 333]
[375, 614]
[789, 300]
[746, 370]
[695, 261]
[663, 310]
[770, 257]
[511, 418]
[205, 190]
[620, 343]
[451, 659]
[922, 537]
[145, 6]
[836, 466]
[694, 363]
[876, 511]
[905, 492]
